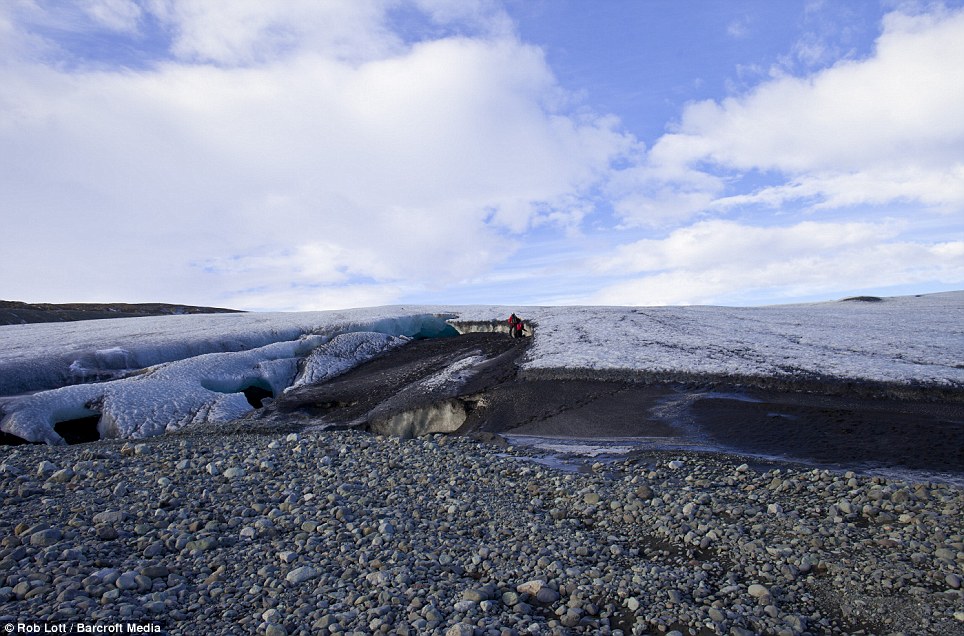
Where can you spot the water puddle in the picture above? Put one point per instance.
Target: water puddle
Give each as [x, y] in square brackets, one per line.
[577, 454]
[571, 454]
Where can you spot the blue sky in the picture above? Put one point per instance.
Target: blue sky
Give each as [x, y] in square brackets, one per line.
[307, 155]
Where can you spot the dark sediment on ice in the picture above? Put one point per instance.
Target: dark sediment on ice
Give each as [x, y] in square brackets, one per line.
[842, 431]
[846, 424]
[390, 384]
[790, 383]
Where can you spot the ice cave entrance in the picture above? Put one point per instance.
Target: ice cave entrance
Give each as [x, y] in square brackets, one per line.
[6, 439]
[255, 391]
[436, 330]
[81, 430]
[257, 394]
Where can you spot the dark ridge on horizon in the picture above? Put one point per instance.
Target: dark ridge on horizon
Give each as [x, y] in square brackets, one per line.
[14, 312]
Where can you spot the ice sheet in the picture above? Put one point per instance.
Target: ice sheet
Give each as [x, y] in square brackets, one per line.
[167, 372]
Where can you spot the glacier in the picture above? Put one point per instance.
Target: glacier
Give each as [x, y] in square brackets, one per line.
[198, 381]
[147, 376]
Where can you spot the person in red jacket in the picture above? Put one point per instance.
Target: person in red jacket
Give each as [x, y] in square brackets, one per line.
[513, 321]
[520, 329]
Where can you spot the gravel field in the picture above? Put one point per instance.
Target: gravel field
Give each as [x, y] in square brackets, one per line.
[344, 532]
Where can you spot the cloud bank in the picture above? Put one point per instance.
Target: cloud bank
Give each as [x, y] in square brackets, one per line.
[307, 155]
[289, 154]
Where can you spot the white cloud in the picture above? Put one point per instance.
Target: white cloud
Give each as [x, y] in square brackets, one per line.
[708, 244]
[246, 31]
[940, 189]
[728, 262]
[117, 15]
[305, 154]
[860, 132]
[486, 15]
[738, 29]
[307, 298]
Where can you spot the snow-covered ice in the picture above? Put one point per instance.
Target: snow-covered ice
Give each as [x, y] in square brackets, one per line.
[342, 353]
[907, 339]
[194, 386]
[204, 388]
[49, 355]
[145, 376]
[454, 375]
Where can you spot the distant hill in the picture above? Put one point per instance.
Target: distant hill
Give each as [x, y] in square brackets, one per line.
[13, 312]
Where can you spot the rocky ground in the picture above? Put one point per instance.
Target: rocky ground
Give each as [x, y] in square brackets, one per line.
[344, 532]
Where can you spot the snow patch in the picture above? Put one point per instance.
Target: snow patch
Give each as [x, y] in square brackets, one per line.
[454, 375]
[344, 352]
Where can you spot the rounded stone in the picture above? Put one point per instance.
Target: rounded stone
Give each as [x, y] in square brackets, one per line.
[46, 538]
[757, 591]
[233, 473]
[127, 581]
[302, 574]
[106, 532]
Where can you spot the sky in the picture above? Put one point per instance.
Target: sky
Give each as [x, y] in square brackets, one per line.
[306, 154]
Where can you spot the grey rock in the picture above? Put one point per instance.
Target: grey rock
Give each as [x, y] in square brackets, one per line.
[61, 476]
[478, 595]
[155, 571]
[127, 581]
[45, 538]
[302, 574]
[757, 591]
[106, 532]
[547, 595]
[110, 516]
[233, 473]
